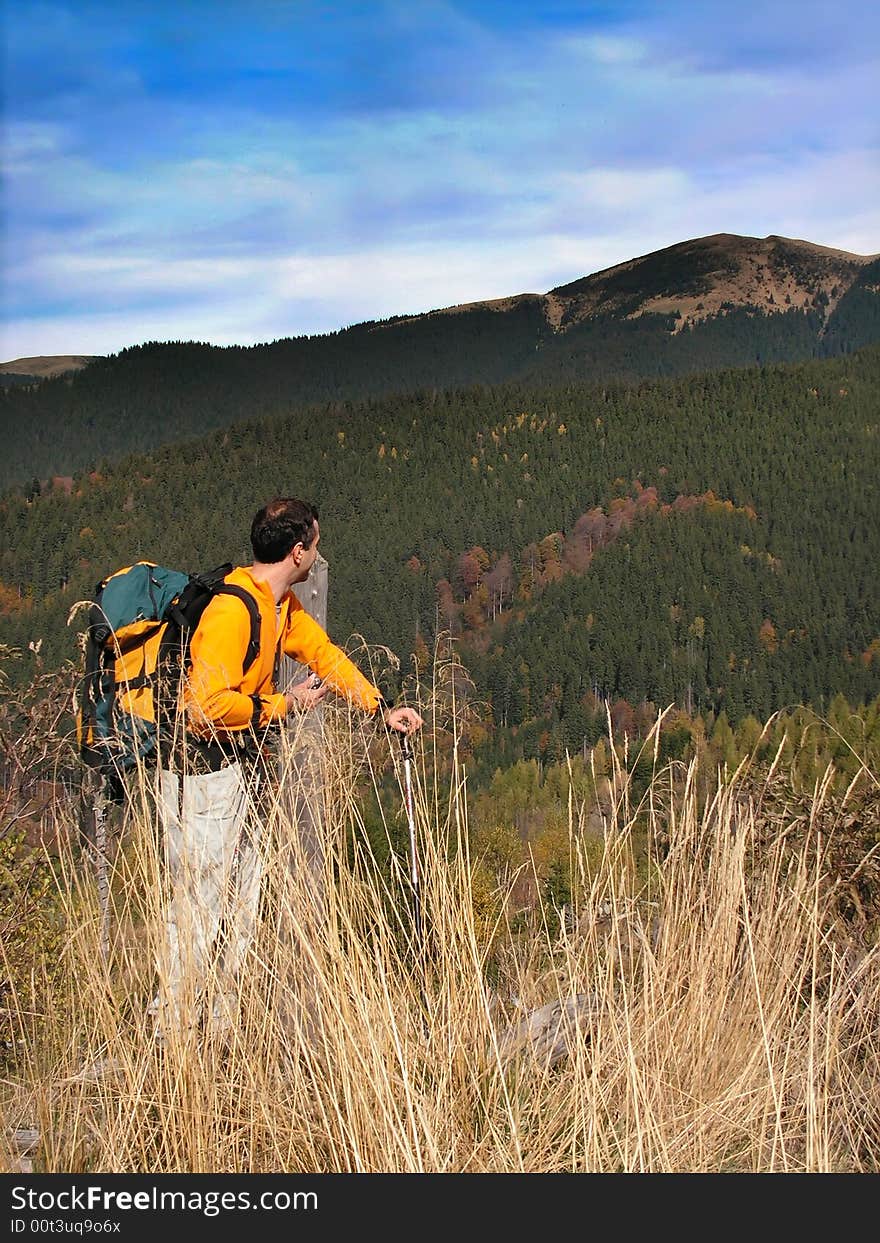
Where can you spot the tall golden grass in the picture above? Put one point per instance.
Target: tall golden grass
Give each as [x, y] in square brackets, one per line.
[697, 1010]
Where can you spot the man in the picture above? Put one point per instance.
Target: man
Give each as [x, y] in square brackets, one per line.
[212, 844]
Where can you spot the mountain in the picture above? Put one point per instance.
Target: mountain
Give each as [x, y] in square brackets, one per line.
[697, 280]
[709, 303]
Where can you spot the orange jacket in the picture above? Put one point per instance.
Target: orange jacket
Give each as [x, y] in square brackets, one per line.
[220, 699]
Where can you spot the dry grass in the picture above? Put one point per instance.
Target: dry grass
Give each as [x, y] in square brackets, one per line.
[716, 1019]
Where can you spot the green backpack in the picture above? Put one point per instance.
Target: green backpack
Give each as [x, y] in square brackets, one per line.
[137, 649]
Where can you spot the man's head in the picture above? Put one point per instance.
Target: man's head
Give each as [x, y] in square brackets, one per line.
[280, 526]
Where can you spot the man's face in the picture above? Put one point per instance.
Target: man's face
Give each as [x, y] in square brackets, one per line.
[309, 557]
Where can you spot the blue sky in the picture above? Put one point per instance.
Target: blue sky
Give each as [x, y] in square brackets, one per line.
[235, 172]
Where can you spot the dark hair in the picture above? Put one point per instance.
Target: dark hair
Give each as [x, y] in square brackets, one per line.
[280, 526]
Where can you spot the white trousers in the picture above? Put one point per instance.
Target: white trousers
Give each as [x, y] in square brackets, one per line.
[214, 867]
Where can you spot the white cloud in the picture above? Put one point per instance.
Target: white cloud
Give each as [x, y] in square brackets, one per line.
[25, 142]
[615, 50]
[619, 189]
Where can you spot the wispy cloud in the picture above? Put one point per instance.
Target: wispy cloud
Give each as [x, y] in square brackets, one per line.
[234, 171]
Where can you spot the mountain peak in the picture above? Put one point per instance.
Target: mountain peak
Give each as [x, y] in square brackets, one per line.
[705, 276]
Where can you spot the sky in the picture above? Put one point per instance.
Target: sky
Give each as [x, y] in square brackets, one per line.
[238, 171]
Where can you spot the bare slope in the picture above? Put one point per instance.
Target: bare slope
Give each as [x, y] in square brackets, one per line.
[701, 278]
[47, 365]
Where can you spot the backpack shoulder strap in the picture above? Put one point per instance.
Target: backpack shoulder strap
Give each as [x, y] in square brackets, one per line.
[200, 589]
[253, 647]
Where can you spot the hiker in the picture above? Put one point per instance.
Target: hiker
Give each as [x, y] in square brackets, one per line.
[212, 844]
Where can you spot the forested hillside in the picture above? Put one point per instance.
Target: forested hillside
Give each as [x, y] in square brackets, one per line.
[711, 541]
[647, 319]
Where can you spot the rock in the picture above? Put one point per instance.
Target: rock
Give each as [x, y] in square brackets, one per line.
[551, 1032]
[24, 1142]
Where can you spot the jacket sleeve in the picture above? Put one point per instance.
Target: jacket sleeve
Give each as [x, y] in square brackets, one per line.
[214, 695]
[308, 643]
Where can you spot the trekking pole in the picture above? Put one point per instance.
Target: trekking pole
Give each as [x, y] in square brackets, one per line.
[421, 963]
[406, 748]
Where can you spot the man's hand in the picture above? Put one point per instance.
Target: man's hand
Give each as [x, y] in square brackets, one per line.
[404, 720]
[305, 695]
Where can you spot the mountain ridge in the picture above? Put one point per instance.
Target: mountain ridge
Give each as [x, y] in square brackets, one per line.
[585, 297]
[833, 272]
[709, 303]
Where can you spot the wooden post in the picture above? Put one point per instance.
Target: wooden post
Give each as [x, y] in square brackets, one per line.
[302, 807]
[312, 595]
[304, 780]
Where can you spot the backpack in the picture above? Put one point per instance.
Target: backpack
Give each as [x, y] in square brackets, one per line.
[136, 652]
